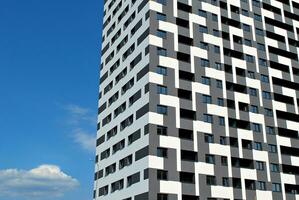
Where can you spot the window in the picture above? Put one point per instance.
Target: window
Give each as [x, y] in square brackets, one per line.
[260, 166]
[261, 185]
[103, 190]
[247, 144]
[246, 27]
[248, 42]
[162, 175]
[161, 17]
[225, 182]
[134, 136]
[224, 160]
[249, 184]
[237, 183]
[127, 122]
[214, 17]
[125, 161]
[268, 112]
[202, 13]
[135, 178]
[110, 169]
[234, 9]
[258, 146]
[161, 130]
[223, 140]
[272, 148]
[187, 177]
[203, 29]
[230, 103]
[128, 52]
[162, 34]
[204, 45]
[162, 110]
[211, 180]
[254, 109]
[204, 62]
[216, 49]
[162, 152]
[256, 127]
[185, 134]
[118, 185]
[276, 187]
[205, 80]
[233, 142]
[164, 2]
[161, 89]
[209, 138]
[108, 87]
[221, 121]
[162, 196]
[217, 66]
[256, 3]
[265, 78]
[266, 95]
[257, 17]
[184, 94]
[189, 156]
[206, 99]
[210, 159]
[261, 47]
[225, 36]
[161, 51]
[127, 86]
[208, 118]
[118, 146]
[113, 98]
[105, 154]
[270, 130]
[219, 84]
[161, 70]
[220, 102]
[274, 167]
[240, 72]
[259, 32]
[120, 110]
[237, 39]
[217, 34]
[249, 58]
[253, 91]
[214, 2]
[111, 133]
[262, 62]
[251, 74]
[245, 12]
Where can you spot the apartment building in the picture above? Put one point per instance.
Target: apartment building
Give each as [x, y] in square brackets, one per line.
[198, 100]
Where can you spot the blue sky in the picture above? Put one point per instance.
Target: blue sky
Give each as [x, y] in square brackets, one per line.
[49, 58]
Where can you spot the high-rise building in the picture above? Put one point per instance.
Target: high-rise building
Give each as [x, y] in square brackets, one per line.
[198, 100]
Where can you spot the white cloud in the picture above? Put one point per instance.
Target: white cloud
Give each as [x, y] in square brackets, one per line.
[86, 140]
[43, 181]
[77, 115]
[80, 121]
[76, 110]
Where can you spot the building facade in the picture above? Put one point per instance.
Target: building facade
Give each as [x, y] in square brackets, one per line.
[198, 100]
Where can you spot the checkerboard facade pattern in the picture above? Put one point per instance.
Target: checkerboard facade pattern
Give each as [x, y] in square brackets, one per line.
[198, 100]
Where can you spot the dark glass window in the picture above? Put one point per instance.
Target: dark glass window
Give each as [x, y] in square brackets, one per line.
[162, 152]
[161, 17]
[162, 34]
